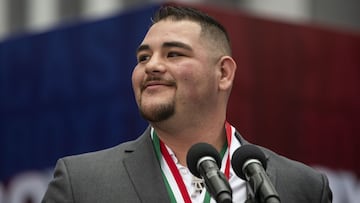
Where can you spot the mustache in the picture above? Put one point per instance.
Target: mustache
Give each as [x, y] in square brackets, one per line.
[155, 80]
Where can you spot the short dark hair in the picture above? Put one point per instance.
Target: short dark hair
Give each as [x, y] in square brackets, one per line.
[209, 26]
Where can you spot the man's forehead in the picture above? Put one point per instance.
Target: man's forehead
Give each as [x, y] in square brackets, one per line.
[163, 31]
[176, 24]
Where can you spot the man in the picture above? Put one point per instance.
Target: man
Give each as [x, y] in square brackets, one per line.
[182, 83]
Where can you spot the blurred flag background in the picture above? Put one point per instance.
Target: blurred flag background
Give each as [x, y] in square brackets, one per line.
[65, 83]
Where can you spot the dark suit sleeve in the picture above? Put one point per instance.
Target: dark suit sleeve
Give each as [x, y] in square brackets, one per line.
[326, 192]
[59, 189]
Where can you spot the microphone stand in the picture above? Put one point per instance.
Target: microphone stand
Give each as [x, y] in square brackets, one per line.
[262, 188]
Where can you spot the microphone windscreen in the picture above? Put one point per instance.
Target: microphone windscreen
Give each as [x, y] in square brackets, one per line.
[198, 151]
[244, 153]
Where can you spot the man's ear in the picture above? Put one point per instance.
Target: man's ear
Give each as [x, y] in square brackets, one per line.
[227, 70]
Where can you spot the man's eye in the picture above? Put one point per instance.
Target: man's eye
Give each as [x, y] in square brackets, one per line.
[142, 58]
[174, 54]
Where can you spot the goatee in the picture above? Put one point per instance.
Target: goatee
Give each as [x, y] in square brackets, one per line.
[159, 113]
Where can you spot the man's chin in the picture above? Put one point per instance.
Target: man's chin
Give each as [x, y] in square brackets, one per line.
[160, 113]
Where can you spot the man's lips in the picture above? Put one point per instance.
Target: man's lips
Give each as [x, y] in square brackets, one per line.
[155, 83]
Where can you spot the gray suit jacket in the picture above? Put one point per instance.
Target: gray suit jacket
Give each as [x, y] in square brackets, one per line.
[130, 173]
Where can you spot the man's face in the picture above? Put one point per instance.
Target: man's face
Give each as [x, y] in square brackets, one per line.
[175, 74]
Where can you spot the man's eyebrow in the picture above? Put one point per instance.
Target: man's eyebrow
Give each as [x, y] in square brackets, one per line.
[165, 45]
[177, 44]
[142, 47]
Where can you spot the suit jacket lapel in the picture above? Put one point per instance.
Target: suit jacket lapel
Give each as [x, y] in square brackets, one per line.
[270, 170]
[144, 170]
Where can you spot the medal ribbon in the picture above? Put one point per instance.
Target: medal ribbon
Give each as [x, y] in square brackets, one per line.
[160, 149]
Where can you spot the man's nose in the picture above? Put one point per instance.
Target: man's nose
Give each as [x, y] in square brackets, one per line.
[155, 65]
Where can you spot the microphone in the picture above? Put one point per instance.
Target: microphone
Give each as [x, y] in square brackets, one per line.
[249, 163]
[204, 162]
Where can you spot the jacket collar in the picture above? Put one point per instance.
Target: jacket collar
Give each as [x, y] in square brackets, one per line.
[148, 182]
[144, 170]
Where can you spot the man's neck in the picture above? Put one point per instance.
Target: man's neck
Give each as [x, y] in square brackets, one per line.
[181, 139]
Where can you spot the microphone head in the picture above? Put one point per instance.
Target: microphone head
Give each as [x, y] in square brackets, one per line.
[198, 151]
[244, 153]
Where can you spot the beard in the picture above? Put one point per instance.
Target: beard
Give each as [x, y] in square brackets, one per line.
[158, 113]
